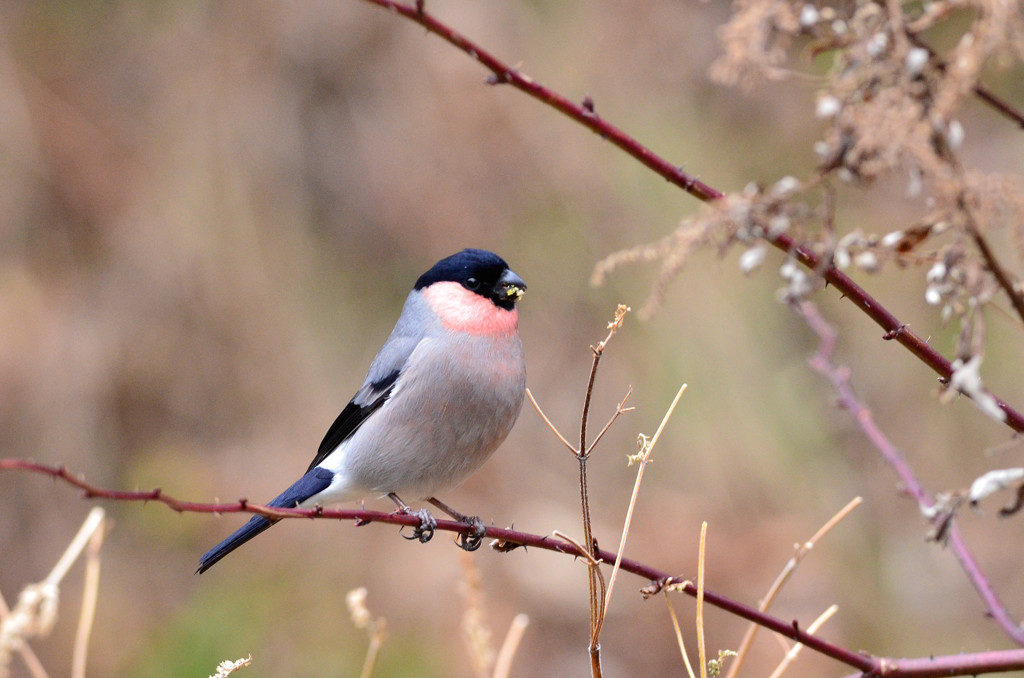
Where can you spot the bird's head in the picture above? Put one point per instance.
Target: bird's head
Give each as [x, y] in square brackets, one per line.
[473, 291]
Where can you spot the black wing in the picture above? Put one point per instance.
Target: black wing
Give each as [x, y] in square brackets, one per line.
[351, 418]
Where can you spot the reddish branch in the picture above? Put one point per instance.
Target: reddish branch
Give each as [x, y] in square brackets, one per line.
[583, 113]
[839, 377]
[952, 665]
[894, 329]
[999, 105]
[992, 263]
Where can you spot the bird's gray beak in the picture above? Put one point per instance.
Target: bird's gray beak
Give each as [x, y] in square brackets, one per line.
[510, 286]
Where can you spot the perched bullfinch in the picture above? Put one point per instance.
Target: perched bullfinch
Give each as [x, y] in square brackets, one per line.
[440, 397]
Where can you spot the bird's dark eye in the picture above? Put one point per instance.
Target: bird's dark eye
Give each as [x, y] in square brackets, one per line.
[472, 284]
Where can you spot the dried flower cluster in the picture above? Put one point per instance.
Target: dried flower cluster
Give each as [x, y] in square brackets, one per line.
[888, 106]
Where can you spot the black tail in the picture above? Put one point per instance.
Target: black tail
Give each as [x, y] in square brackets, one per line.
[243, 534]
[308, 486]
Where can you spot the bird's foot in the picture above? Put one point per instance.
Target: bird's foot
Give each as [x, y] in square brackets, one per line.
[470, 540]
[423, 532]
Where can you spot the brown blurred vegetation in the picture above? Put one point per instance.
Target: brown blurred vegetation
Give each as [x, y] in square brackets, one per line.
[209, 216]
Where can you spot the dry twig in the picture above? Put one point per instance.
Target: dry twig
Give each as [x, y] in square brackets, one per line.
[800, 551]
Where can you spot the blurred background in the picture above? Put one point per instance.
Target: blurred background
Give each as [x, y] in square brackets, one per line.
[210, 214]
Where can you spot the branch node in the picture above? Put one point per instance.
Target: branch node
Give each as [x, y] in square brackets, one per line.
[893, 334]
[658, 585]
[505, 546]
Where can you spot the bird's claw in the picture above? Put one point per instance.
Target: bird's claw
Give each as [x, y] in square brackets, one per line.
[471, 540]
[423, 532]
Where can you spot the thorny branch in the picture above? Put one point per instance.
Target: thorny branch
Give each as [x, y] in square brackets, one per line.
[925, 667]
[799, 554]
[840, 379]
[584, 114]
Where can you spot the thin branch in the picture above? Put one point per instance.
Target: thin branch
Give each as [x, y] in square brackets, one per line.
[90, 596]
[894, 329]
[376, 628]
[614, 326]
[1000, 105]
[839, 378]
[794, 651]
[800, 553]
[679, 636]
[702, 652]
[996, 661]
[643, 458]
[599, 592]
[551, 426]
[1011, 289]
[503, 664]
[584, 418]
[986, 95]
[1006, 660]
[584, 552]
[584, 115]
[827, 527]
[93, 523]
[595, 579]
[620, 410]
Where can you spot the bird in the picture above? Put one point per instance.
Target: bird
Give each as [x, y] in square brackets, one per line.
[439, 398]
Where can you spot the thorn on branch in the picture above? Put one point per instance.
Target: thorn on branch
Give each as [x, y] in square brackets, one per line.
[499, 78]
[420, 6]
[688, 181]
[588, 106]
[893, 334]
[504, 546]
